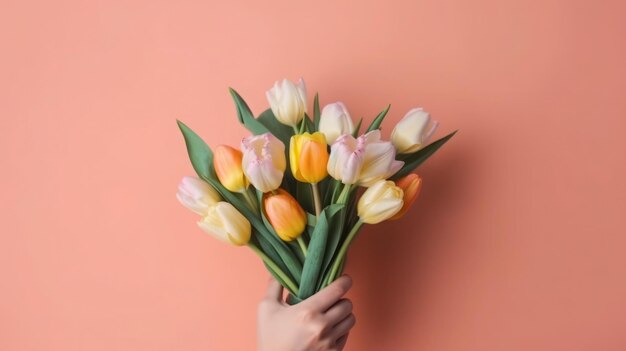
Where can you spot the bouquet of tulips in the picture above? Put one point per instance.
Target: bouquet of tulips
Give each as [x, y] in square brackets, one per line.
[299, 189]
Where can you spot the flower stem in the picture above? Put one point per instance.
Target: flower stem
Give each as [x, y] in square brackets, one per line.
[345, 192]
[250, 200]
[290, 284]
[342, 251]
[316, 199]
[302, 244]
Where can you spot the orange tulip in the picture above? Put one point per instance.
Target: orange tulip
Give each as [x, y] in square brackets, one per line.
[308, 157]
[411, 185]
[284, 214]
[227, 163]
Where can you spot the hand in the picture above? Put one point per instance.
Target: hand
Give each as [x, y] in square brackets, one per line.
[320, 323]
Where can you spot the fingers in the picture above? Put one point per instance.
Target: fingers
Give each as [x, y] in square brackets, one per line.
[328, 296]
[341, 342]
[274, 291]
[339, 311]
[343, 327]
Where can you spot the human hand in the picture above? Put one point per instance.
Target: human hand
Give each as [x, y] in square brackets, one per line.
[320, 323]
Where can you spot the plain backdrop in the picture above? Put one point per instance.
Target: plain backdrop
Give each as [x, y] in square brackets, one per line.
[516, 243]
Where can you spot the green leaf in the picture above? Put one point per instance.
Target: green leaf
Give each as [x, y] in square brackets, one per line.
[199, 152]
[335, 237]
[316, 252]
[281, 131]
[378, 120]
[316, 112]
[245, 115]
[355, 133]
[411, 161]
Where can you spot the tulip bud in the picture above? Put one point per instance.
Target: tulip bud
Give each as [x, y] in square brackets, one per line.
[197, 195]
[227, 164]
[264, 161]
[380, 202]
[288, 101]
[411, 186]
[335, 121]
[308, 156]
[224, 222]
[284, 214]
[413, 131]
[364, 160]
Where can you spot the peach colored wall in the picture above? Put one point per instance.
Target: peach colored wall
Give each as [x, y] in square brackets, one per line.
[517, 242]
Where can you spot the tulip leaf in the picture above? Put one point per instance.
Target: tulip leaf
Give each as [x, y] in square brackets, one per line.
[355, 132]
[199, 152]
[316, 112]
[316, 252]
[335, 237]
[267, 248]
[245, 115]
[379, 119]
[411, 161]
[281, 131]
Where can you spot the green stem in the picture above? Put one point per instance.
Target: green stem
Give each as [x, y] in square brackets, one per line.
[316, 199]
[302, 244]
[342, 251]
[345, 192]
[290, 284]
[296, 130]
[250, 200]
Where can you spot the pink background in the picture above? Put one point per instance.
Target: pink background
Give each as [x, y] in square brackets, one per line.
[517, 242]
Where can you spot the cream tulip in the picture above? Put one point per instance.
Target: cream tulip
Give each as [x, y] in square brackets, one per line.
[413, 131]
[288, 101]
[225, 223]
[335, 121]
[264, 161]
[197, 195]
[363, 160]
[380, 202]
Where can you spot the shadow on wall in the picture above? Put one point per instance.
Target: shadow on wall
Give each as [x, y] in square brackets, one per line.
[390, 262]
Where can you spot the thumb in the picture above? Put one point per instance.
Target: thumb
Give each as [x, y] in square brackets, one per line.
[274, 291]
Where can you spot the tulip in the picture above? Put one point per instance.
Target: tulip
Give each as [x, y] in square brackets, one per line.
[284, 214]
[264, 161]
[413, 131]
[335, 121]
[411, 186]
[362, 161]
[197, 195]
[288, 101]
[224, 222]
[227, 164]
[308, 156]
[380, 202]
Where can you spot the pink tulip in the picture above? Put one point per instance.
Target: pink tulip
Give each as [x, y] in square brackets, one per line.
[363, 160]
[264, 161]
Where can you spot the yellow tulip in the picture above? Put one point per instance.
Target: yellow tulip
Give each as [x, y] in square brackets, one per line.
[411, 185]
[284, 214]
[308, 156]
[225, 223]
[380, 202]
[227, 164]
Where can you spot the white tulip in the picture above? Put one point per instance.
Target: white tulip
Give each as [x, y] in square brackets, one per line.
[225, 223]
[335, 121]
[380, 202]
[413, 131]
[288, 101]
[197, 195]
